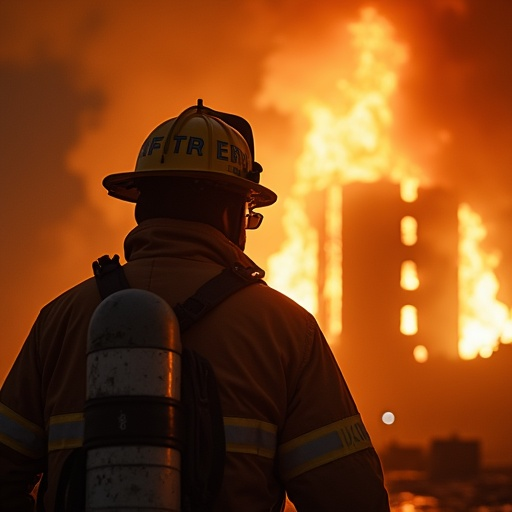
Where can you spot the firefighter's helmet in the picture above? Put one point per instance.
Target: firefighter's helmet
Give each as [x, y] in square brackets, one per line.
[200, 143]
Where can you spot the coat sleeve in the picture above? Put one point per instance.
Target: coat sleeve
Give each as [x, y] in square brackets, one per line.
[22, 433]
[326, 457]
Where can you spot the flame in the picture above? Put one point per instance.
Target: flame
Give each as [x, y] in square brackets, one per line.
[484, 320]
[299, 282]
[345, 143]
[348, 141]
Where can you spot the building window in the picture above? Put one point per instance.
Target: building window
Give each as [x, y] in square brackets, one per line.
[409, 230]
[408, 320]
[409, 276]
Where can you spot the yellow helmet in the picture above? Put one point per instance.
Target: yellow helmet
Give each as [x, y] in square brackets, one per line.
[200, 143]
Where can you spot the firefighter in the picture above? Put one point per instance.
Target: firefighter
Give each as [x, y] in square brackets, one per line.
[292, 427]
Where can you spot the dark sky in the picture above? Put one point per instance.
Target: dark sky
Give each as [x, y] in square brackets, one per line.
[82, 83]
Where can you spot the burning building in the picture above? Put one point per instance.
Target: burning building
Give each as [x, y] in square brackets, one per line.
[400, 272]
[391, 265]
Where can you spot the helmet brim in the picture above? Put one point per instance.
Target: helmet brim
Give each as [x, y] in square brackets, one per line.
[124, 185]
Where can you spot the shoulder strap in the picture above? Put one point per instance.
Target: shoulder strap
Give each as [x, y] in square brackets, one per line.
[110, 277]
[213, 292]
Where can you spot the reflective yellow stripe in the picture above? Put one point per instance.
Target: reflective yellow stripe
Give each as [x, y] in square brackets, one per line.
[250, 436]
[65, 431]
[323, 445]
[21, 434]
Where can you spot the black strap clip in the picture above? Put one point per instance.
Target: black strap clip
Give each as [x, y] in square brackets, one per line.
[109, 275]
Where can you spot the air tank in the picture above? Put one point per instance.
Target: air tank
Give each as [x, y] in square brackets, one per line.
[132, 413]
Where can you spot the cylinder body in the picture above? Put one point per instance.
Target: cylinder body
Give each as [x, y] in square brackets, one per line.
[132, 405]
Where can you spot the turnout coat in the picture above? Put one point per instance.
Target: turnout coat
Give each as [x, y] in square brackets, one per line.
[291, 423]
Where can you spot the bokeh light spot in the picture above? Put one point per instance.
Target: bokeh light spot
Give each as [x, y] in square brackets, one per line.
[388, 418]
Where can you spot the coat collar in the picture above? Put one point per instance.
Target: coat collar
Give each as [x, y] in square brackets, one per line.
[173, 238]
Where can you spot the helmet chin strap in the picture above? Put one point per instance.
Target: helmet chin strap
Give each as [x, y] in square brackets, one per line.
[242, 239]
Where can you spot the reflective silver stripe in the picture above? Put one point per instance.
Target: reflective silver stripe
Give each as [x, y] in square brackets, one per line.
[323, 445]
[65, 431]
[250, 436]
[21, 434]
[242, 435]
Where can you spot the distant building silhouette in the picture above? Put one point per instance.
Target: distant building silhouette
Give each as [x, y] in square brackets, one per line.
[400, 457]
[454, 459]
[444, 460]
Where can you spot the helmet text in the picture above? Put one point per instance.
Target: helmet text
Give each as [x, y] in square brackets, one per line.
[190, 145]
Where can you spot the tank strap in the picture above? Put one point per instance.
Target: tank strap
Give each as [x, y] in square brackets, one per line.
[110, 277]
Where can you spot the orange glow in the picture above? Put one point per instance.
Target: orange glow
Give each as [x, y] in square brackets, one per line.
[80, 94]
